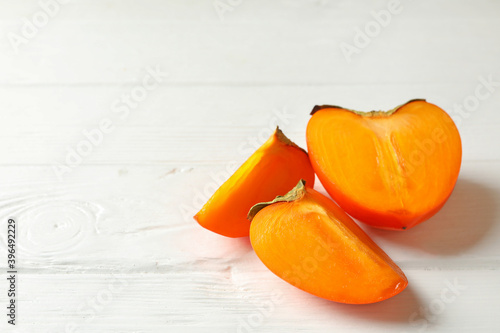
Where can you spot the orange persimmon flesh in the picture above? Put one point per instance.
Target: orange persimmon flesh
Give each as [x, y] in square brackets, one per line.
[271, 170]
[392, 170]
[308, 241]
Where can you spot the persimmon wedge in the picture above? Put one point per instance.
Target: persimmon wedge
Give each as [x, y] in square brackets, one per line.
[391, 170]
[271, 170]
[307, 240]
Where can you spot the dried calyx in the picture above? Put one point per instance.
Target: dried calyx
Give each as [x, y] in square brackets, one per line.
[366, 113]
[296, 193]
[283, 138]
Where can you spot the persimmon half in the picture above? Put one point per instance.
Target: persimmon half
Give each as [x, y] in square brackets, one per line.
[307, 240]
[391, 170]
[271, 170]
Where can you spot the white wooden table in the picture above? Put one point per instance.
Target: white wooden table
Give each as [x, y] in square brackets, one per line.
[104, 163]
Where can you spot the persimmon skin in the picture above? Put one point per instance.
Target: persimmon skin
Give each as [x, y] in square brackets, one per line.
[312, 244]
[271, 170]
[391, 170]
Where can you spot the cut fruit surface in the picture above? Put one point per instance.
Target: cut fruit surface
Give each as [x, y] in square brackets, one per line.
[391, 169]
[271, 170]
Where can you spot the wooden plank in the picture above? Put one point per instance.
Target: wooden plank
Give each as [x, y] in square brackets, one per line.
[204, 124]
[243, 297]
[106, 218]
[109, 42]
[250, 12]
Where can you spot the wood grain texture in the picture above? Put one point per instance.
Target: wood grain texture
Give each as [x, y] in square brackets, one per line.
[197, 299]
[111, 246]
[206, 124]
[251, 43]
[141, 217]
